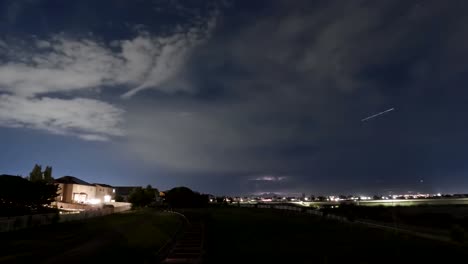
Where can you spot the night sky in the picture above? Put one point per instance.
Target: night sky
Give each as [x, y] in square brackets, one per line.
[238, 97]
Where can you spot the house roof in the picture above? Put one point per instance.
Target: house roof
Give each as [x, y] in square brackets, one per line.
[103, 185]
[71, 180]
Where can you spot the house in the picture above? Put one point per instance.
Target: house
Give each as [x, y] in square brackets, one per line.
[104, 192]
[74, 190]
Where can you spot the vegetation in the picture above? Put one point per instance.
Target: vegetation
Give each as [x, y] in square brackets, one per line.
[19, 196]
[47, 175]
[119, 238]
[119, 198]
[33, 194]
[236, 235]
[36, 174]
[140, 197]
[183, 197]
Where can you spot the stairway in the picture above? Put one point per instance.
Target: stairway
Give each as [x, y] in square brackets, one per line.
[189, 247]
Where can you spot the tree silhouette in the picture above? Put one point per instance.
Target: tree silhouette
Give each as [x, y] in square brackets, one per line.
[48, 174]
[180, 197]
[140, 197]
[19, 196]
[36, 174]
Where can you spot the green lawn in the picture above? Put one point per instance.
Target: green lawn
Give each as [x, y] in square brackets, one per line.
[242, 235]
[129, 237]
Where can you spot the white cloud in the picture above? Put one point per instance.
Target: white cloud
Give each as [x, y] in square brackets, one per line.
[86, 118]
[61, 64]
[156, 61]
[70, 65]
[91, 137]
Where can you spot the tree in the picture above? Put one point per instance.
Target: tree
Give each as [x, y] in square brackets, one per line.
[43, 194]
[119, 198]
[140, 197]
[135, 197]
[183, 197]
[150, 195]
[19, 196]
[48, 174]
[36, 174]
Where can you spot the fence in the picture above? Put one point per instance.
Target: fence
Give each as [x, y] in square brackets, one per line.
[119, 207]
[295, 209]
[26, 221]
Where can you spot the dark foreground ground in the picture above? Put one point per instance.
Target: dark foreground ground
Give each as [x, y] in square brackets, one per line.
[233, 235]
[242, 235]
[120, 238]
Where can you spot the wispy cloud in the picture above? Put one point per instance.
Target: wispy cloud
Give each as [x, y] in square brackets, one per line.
[33, 72]
[62, 64]
[86, 118]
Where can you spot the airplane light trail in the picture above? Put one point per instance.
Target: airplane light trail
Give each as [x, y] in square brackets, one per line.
[376, 115]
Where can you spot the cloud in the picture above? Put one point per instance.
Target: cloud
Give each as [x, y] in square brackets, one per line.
[190, 136]
[270, 183]
[91, 137]
[156, 61]
[36, 74]
[64, 64]
[86, 118]
[269, 178]
[42, 44]
[284, 92]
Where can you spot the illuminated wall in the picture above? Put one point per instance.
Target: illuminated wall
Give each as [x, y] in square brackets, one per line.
[84, 193]
[104, 193]
[77, 193]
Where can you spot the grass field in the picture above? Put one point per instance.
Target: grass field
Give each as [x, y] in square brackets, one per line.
[130, 237]
[243, 235]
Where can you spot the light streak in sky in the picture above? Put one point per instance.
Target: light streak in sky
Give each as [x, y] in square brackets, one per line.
[376, 115]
